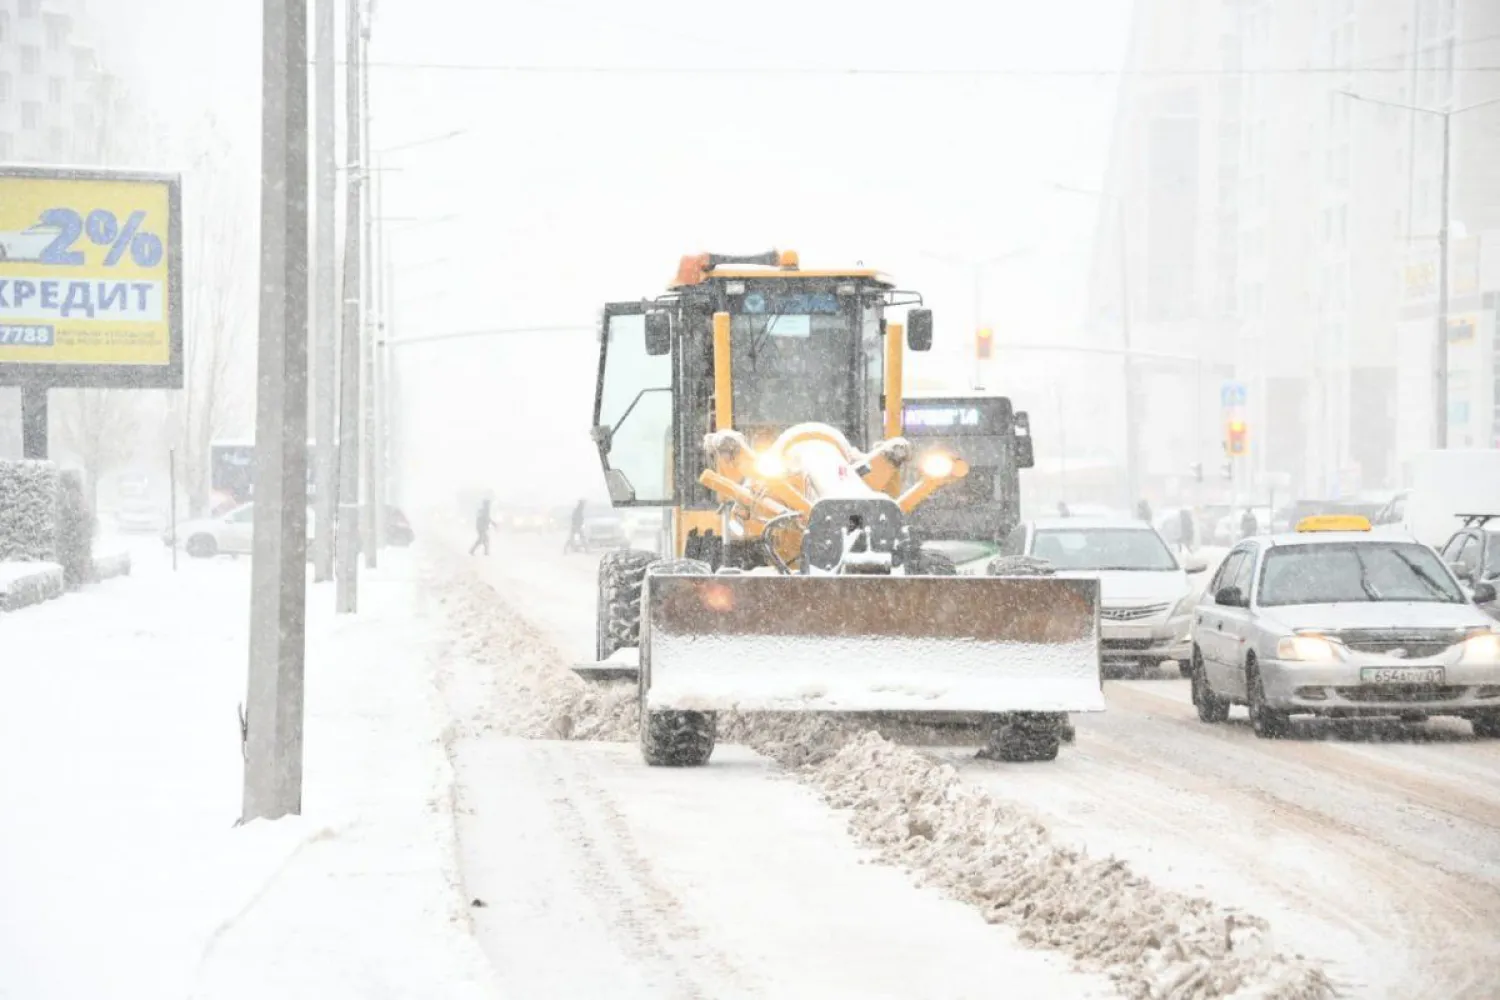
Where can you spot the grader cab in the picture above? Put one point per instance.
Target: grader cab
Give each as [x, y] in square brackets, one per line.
[761, 404]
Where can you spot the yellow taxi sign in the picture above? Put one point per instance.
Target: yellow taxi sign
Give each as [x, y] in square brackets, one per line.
[1334, 522]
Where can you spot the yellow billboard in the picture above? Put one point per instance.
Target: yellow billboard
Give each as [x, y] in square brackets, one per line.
[90, 278]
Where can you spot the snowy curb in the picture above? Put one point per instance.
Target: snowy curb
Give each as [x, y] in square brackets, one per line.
[23, 584]
[918, 814]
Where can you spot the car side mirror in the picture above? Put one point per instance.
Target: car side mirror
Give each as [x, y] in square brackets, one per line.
[1230, 597]
[1196, 566]
[1025, 455]
[658, 334]
[919, 329]
[1484, 593]
[602, 437]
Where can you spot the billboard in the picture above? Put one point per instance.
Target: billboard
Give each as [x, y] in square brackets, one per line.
[90, 278]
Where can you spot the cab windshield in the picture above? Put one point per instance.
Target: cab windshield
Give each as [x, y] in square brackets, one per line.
[1103, 549]
[1343, 572]
[793, 355]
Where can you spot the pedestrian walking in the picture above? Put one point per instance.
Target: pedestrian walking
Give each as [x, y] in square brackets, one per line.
[483, 522]
[575, 542]
[1248, 524]
[1186, 530]
[1143, 511]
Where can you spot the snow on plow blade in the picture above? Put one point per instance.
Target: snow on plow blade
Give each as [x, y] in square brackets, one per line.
[871, 644]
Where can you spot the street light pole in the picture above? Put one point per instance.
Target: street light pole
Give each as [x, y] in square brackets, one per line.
[1440, 339]
[325, 379]
[347, 536]
[367, 509]
[1132, 400]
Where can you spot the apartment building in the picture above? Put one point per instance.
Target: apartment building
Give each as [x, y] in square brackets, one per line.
[1282, 224]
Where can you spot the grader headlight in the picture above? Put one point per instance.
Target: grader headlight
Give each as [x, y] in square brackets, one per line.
[769, 465]
[937, 465]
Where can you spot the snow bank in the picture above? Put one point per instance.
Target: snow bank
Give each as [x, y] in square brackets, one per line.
[919, 814]
[123, 873]
[25, 583]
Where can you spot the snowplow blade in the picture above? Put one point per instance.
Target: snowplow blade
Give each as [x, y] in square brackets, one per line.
[871, 644]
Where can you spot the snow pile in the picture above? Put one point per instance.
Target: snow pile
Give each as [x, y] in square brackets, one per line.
[25, 583]
[28, 511]
[919, 814]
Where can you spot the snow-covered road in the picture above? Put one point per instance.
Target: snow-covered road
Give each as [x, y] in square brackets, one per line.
[1373, 849]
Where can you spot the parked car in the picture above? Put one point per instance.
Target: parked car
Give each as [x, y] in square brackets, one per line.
[231, 533]
[1145, 596]
[1473, 554]
[1336, 620]
[141, 516]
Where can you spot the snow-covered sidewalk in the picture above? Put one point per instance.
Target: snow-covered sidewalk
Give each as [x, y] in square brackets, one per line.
[121, 872]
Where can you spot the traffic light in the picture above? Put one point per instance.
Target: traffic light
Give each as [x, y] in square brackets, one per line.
[1234, 442]
[984, 342]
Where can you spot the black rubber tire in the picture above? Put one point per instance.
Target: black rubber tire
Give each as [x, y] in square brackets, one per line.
[1266, 723]
[622, 575]
[202, 547]
[931, 562]
[1025, 737]
[1211, 708]
[677, 739]
[1486, 727]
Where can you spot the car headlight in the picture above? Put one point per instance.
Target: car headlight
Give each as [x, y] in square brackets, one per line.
[1480, 647]
[1185, 605]
[1308, 649]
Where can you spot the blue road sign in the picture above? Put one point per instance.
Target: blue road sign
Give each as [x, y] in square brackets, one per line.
[1232, 394]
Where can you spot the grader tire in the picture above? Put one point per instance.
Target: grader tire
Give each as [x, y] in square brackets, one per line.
[669, 738]
[622, 575]
[1024, 737]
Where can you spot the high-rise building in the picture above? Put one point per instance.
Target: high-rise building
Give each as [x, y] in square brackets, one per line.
[1283, 224]
[53, 95]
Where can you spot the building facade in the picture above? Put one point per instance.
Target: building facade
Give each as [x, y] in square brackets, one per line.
[1281, 226]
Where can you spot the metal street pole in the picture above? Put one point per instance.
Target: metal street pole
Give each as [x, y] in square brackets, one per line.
[347, 537]
[1440, 345]
[367, 509]
[1132, 402]
[325, 379]
[377, 351]
[278, 597]
[1440, 341]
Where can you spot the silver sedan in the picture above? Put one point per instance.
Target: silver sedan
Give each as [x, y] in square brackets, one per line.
[1342, 623]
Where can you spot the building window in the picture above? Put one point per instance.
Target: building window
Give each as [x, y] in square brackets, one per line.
[29, 8]
[83, 117]
[31, 114]
[56, 87]
[7, 145]
[31, 59]
[57, 141]
[5, 88]
[83, 62]
[4, 25]
[57, 32]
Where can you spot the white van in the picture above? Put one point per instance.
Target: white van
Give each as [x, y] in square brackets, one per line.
[1441, 485]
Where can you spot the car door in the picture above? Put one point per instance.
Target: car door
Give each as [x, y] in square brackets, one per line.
[238, 530]
[1208, 619]
[1239, 625]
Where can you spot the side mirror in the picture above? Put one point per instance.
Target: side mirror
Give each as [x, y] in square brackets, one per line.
[919, 329]
[1484, 593]
[1025, 455]
[658, 334]
[1230, 597]
[1195, 566]
[602, 437]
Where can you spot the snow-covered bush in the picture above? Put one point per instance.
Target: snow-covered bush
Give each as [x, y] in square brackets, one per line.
[28, 583]
[28, 511]
[75, 530]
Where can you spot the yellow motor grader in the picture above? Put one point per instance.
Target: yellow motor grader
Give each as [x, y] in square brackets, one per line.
[761, 405]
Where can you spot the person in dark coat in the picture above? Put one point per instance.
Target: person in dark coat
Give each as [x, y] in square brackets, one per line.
[1143, 511]
[482, 524]
[1186, 530]
[575, 541]
[1248, 524]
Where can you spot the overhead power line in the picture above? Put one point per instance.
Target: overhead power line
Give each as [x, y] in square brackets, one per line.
[541, 69]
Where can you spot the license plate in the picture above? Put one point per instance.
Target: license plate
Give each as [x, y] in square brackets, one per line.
[1112, 631]
[1401, 675]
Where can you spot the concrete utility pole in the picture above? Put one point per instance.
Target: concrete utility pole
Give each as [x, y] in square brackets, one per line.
[367, 510]
[348, 501]
[278, 596]
[1132, 392]
[325, 379]
[377, 353]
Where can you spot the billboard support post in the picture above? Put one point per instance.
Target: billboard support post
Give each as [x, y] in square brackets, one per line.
[33, 421]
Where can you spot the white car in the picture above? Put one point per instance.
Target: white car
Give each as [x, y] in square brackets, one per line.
[1145, 597]
[29, 244]
[228, 534]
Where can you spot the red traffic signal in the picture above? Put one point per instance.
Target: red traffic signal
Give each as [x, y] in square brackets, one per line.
[984, 342]
[1235, 442]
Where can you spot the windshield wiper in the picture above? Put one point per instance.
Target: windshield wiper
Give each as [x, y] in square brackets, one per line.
[1425, 577]
[758, 340]
[1371, 591]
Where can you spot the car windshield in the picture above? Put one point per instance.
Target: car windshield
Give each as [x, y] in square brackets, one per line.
[1103, 549]
[1492, 555]
[1340, 572]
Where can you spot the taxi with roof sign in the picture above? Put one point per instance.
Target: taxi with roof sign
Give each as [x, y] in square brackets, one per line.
[1334, 620]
